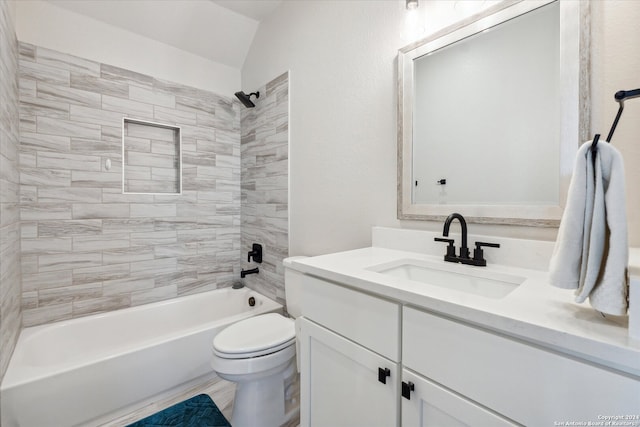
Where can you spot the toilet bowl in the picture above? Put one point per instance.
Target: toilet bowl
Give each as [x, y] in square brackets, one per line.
[258, 354]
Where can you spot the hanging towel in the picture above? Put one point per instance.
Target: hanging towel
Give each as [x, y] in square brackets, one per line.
[591, 253]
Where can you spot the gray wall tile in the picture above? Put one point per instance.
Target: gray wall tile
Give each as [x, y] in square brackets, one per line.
[44, 73]
[88, 248]
[68, 94]
[152, 210]
[47, 313]
[103, 273]
[10, 262]
[94, 115]
[69, 128]
[66, 62]
[25, 50]
[153, 97]
[102, 210]
[44, 177]
[130, 108]
[104, 180]
[49, 279]
[116, 74]
[43, 108]
[54, 228]
[100, 242]
[71, 195]
[264, 162]
[155, 294]
[174, 116]
[10, 228]
[99, 305]
[126, 286]
[51, 160]
[127, 255]
[67, 294]
[42, 246]
[40, 142]
[98, 85]
[53, 262]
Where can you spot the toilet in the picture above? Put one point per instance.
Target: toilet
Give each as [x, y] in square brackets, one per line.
[259, 354]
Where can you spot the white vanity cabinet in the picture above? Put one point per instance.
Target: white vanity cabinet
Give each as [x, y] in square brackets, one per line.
[358, 351]
[349, 357]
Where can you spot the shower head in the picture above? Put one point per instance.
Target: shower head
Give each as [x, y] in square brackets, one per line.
[246, 99]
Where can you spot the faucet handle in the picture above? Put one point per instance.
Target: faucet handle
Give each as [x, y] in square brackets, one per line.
[451, 250]
[255, 253]
[478, 254]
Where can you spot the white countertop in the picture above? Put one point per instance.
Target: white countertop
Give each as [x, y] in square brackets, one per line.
[534, 311]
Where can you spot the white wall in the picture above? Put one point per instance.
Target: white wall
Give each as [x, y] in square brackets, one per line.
[342, 61]
[12, 9]
[44, 24]
[341, 58]
[615, 66]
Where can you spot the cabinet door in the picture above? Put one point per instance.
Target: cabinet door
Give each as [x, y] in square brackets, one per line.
[430, 405]
[530, 385]
[340, 382]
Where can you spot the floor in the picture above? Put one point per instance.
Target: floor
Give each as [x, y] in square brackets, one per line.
[221, 392]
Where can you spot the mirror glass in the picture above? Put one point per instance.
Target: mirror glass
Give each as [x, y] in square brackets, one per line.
[492, 110]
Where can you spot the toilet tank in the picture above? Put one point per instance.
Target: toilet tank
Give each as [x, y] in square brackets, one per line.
[293, 287]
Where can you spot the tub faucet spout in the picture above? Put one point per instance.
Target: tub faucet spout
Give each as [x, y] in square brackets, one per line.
[244, 273]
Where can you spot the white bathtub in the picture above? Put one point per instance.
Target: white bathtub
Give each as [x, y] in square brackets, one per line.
[80, 371]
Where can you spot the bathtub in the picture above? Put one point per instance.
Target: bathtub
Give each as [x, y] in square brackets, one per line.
[85, 370]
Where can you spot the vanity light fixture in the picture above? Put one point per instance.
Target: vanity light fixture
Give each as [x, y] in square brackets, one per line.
[412, 4]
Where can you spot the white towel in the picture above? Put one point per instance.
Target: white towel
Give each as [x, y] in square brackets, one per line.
[591, 253]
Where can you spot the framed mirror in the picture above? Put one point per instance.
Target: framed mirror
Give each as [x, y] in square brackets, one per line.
[491, 112]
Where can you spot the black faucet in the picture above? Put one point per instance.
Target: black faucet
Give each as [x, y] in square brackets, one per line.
[244, 273]
[450, 256]
[464, 249]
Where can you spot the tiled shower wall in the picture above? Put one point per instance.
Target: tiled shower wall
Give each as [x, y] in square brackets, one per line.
[88, 248]
[10, 316]
[265, 183]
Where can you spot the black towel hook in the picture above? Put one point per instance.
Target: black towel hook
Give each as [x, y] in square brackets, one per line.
[620, 97]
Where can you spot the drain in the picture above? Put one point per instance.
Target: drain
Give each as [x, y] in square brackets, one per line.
[252, 301]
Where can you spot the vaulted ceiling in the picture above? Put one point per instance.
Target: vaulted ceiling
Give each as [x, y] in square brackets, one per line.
[219, 30]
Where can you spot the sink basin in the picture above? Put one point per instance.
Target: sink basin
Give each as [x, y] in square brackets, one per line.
[457, 277]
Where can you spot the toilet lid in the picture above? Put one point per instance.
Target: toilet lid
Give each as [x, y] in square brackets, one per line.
[255, 336]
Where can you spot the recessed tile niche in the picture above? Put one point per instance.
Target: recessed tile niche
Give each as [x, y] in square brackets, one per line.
[151, 158]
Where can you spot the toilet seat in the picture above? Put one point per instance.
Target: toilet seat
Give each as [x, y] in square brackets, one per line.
[255, 336]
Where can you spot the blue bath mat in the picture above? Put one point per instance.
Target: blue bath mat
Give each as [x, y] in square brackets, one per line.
[199, 411]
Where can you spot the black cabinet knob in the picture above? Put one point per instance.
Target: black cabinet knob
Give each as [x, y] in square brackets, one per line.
[383, 373]
[407, 388]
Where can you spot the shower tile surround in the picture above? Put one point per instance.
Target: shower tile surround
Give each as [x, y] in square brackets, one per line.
[265, 175]
[10, 313]
[88, 248]
[82, 245]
